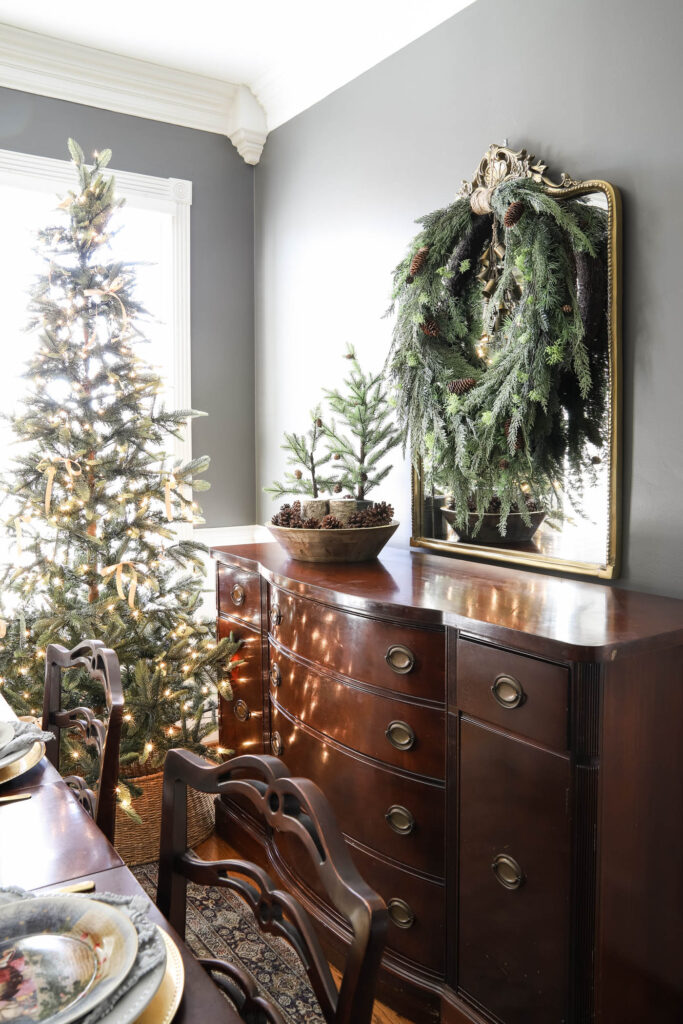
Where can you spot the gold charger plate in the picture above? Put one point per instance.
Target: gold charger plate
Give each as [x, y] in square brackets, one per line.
[22, 764]
[163, 1007]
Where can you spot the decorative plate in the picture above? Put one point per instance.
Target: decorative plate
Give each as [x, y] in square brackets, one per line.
[162, 1008]
[150, 1001]
[60, 956]
[6, 734]
[23, 762]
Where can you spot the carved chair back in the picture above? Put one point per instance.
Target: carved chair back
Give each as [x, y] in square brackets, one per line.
[286, 805]
[104, 734]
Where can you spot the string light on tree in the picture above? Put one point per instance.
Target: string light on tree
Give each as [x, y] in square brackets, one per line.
[87, 500]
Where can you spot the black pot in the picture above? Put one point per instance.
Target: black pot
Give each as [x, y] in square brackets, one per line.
[432, 521]
[518, 532]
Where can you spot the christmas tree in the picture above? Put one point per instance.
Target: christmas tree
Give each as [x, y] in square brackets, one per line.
[302, 452]
[94, 499]
[367, 433]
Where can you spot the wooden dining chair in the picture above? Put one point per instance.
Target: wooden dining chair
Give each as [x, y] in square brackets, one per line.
[286, 805]
[104, 734]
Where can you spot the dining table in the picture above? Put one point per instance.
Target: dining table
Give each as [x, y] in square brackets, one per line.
[48, 841]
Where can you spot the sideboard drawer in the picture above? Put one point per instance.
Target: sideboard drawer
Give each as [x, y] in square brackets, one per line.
[399, 817]
[408, 736]
[514, 876]
[417, 910]
[516, 692]
[239, 593]
[401, 658]
[241, 719]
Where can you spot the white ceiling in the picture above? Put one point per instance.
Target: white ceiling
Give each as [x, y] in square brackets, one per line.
[291, 53]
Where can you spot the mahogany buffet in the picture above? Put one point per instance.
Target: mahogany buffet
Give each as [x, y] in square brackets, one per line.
[503, 751]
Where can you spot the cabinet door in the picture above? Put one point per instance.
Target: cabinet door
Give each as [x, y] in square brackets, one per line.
[514, 876]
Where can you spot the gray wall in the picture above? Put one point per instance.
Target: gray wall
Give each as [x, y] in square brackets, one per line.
[222, 266]
[594, 88]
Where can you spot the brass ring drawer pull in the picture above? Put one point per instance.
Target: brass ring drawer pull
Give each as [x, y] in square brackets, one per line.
[401, 913]
[400, 820]
[276, 743]
[275, 617]
[275, 676]
[507, 871]
[241, 711]
[400, 735]
[508, 691]
[400, 659]
[237, 594]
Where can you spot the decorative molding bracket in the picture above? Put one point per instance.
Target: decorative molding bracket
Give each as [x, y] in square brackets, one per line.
[46, 66]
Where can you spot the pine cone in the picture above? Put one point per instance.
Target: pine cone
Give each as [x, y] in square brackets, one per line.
[318, 422]
[567, 308]
[357, 519]
[337, 456]
[430, 328]
[289, 516]
[379, 514]
[417, 263]
[337, 488]
[330, 523]
[282, 517]
[461, 386]
[503, 464]
[513, 214]
[298, 474]
[311, 524]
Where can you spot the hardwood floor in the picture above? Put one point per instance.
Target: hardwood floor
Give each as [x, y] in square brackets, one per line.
[215, 848]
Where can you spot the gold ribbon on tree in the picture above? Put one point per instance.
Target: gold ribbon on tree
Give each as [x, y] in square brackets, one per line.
[26, 518]
[118, 568]
[115, 287]
[169, 482]
[72, 467]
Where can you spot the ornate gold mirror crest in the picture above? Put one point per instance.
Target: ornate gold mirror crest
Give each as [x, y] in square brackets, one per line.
[578, 529]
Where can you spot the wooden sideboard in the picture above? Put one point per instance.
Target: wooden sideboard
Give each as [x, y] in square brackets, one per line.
[504, 752]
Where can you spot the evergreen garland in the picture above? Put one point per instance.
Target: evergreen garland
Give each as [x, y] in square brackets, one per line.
[508, 399]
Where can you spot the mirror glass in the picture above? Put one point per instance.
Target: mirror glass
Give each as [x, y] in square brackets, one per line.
[581, 532]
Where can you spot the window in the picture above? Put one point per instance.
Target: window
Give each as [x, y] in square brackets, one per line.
[154, 231]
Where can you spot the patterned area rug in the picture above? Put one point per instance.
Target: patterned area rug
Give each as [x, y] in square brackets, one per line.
[220, 925]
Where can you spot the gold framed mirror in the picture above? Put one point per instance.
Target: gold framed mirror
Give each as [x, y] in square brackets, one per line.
[515, 431]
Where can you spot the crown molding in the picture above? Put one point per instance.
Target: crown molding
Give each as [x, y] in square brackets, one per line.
[40, 64]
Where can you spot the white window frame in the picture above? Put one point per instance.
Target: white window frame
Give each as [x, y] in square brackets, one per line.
[143, 191]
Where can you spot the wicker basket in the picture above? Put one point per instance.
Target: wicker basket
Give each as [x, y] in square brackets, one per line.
[139, 844]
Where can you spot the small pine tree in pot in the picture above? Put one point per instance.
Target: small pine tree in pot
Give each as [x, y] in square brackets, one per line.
[355, 528]
[305, 480]
[362, 440]
[93, 500]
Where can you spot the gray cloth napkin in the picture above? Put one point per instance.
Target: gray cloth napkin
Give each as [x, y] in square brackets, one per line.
[25, 734]
[151, 950]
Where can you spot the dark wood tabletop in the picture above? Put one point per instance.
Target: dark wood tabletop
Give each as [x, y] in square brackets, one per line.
[584, 621]
[48, 841]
